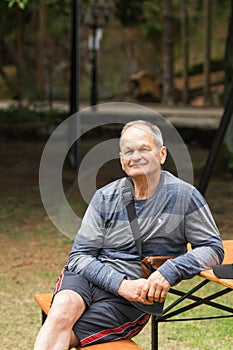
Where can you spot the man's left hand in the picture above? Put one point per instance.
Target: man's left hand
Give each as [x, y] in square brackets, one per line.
[158, 287]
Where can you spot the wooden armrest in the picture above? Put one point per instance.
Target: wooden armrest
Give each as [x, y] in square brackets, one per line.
[228, 259]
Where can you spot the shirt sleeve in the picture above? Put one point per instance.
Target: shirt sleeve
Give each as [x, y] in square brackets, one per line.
[89, 241]
[203, 235]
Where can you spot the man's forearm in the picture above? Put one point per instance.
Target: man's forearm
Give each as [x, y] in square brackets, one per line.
[103, 276]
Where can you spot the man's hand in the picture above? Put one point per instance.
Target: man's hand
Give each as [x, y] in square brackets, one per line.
[146, 291]
[158, 287]
[135, 290]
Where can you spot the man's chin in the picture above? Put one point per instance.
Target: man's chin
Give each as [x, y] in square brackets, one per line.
[136, 173]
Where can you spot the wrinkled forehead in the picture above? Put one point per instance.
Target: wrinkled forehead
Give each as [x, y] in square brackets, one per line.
[137, 136]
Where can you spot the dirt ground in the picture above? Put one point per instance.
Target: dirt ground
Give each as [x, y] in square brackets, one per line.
[32, 249]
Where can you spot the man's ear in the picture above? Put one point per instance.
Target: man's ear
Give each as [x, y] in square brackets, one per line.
[163, 154]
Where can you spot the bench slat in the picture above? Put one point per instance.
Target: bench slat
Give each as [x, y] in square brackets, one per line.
[44, 301]
[117, 345]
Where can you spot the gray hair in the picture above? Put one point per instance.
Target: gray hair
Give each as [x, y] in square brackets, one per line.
[141, 124]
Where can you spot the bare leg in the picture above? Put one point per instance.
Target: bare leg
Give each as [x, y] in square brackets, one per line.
[74, 342]
[56, 333]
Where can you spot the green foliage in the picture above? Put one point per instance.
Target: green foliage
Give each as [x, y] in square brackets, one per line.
[230, 161]
[21, 3]
[225, 161]
[19, 32]
[152, 17]
[7, 24]
[139, 12]
[130, 12]
[59, 13]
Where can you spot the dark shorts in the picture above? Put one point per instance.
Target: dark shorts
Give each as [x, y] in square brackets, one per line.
[107, 317]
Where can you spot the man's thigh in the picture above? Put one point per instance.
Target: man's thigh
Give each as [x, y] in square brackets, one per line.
[69, 280]
[107, 317]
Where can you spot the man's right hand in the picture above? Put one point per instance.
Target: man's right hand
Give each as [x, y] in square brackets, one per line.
[135, 290]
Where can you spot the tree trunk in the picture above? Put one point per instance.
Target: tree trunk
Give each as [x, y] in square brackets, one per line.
[131, 34]
[19, 44]
[229, 57]
[229, 78]
[207, 52]
[40, 79]
[185, 51]
[168, 38]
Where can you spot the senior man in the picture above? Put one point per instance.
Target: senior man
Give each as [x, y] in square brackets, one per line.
[97, 296]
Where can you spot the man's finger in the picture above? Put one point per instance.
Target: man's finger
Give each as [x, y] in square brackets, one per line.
[150, 294]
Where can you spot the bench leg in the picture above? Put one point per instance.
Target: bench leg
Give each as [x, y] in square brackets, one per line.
[43, 317]
[154, 333]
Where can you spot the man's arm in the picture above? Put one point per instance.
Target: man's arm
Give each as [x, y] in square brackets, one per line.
[202, 233]
[146, 291]
[83, 258]
[95, 271]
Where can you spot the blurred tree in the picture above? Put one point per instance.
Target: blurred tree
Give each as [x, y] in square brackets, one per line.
[152, 26]
[151, 41]
[130, 12]
[229, 55]
[207, 51]
[33, 42]
[168, 54]
[130, 15]
[41, 49]
[229, 80]
[185, 51]
[21, 3]
[53, 20]
[11, 47]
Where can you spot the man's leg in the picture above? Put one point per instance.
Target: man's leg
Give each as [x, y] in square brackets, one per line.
[56, 333]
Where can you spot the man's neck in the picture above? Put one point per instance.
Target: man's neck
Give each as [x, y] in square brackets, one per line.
[144, 187]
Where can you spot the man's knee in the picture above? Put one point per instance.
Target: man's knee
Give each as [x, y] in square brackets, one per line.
[67, 307]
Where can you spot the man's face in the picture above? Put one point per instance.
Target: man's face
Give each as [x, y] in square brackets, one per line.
[139, 154]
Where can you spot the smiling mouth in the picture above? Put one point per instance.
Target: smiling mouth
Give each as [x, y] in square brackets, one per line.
[137, 165]
[134, 166]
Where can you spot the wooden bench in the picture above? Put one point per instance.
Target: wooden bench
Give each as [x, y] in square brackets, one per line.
[44, 301]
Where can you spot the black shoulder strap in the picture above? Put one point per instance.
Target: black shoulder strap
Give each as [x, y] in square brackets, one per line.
[127, 193]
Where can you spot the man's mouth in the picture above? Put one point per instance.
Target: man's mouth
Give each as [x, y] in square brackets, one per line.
[136, 165]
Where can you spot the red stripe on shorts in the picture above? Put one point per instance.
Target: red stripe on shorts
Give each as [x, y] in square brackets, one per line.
[59, 282]
[97, 336]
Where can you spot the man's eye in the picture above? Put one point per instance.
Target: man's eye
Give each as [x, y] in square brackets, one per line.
[128, 152]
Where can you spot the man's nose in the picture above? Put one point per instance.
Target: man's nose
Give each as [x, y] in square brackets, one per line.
[136, 155]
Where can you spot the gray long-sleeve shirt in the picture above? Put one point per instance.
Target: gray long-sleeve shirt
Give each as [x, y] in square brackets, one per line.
[104, 250]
